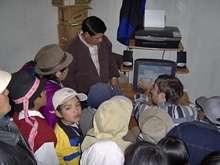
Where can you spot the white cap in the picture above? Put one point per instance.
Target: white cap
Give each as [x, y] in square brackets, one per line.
[5, 78]
[63, 95]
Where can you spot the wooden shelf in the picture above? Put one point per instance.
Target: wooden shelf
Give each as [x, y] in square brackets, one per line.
[126, 69]
[132, 46]
[178, 69]
[182, 70]
[180, 48]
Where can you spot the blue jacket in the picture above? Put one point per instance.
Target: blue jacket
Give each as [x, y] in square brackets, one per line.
[131, 18]
[200, 137]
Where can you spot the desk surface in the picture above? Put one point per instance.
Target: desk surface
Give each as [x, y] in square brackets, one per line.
[127, 89]
[132, 45]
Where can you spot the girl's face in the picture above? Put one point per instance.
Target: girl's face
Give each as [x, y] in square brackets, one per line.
[71, 111]
[5, 107]
[43, 98]
[62, 75]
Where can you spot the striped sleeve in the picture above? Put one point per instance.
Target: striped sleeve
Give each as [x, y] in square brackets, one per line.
[140, 104]
[181, 114]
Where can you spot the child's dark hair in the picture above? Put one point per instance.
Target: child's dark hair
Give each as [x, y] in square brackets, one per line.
[53, 77]
[59, 108]
[145, 153]
[175, 149]
[212, 158]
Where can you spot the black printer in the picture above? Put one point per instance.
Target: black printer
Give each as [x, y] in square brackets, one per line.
[168, 37]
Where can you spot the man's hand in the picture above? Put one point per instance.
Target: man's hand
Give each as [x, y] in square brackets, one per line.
[145, 85]
[114, 82]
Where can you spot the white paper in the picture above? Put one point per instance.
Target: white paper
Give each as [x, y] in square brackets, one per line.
[154, 18]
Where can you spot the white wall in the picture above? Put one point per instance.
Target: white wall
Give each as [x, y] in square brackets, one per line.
[27, 25]
[199, 23]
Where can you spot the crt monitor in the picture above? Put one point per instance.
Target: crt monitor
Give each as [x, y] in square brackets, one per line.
[150, 69]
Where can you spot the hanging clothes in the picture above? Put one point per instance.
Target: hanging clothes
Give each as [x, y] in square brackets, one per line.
[131, 18]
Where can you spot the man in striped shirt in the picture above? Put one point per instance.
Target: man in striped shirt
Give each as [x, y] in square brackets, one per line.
[165, 94]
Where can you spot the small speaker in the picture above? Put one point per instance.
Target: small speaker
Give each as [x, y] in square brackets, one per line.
[128, 58]
[181, 59]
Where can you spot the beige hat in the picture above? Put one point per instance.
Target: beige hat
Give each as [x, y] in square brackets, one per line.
[50, 59]
[155, 123]
[63, 95]
[5, 78]
[110, 121]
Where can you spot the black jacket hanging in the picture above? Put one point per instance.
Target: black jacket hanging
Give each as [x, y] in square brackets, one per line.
[131, 18]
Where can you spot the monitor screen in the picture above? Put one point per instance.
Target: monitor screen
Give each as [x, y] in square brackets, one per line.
[150, 69]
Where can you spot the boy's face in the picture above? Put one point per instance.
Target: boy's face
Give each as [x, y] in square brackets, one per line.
[5, 107]
[71, 111]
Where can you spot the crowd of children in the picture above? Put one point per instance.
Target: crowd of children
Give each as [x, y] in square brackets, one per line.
[106, 126]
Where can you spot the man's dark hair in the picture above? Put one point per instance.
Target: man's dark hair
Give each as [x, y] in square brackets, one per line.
[93, 25]
[171, 86]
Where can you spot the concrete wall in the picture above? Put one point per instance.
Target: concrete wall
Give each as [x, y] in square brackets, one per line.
[26, 26]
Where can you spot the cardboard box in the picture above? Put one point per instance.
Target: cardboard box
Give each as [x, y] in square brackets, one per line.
[69, 2]
[72, 14]
[66, 33]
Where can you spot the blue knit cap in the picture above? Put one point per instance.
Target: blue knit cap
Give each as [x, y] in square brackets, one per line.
[101, 92]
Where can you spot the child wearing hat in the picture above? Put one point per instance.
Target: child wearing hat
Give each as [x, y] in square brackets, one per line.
[14, 149]
[52, 63]
[97, 94]
[27, 92]
[69, 136]
[110, 121]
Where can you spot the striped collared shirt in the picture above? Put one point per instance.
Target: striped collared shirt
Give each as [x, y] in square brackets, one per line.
[179, 114]
[93, 52]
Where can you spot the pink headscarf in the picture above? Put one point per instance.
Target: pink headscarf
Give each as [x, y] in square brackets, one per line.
[25, 101]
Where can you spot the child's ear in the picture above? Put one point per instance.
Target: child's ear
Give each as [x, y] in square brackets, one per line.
[58, 114]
